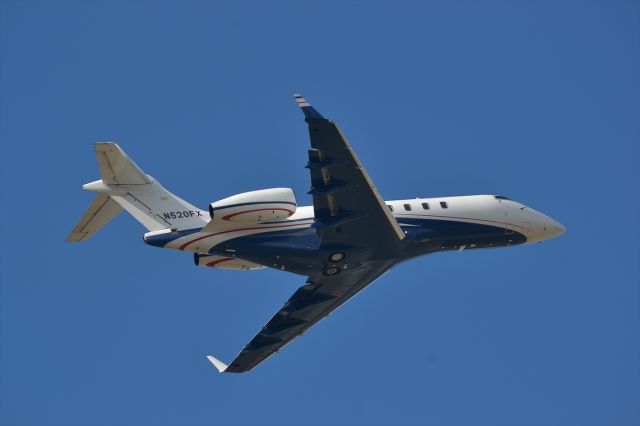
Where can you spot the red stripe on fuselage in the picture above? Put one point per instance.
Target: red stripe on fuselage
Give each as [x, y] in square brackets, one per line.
[182, 247]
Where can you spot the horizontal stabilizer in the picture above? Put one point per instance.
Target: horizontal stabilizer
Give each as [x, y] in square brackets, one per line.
[116, 168]
[101, 210]
[123, 185]
[221, 366]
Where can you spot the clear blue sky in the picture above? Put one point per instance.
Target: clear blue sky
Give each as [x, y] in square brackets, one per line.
[538, 101]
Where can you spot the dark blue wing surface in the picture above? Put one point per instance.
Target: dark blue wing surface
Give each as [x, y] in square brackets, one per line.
[309, 304]
[350, 215]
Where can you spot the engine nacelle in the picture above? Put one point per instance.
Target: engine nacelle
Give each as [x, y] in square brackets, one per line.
[223, 262]
[255, 206]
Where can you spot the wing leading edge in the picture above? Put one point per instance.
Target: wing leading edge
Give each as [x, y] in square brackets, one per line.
[309, 305]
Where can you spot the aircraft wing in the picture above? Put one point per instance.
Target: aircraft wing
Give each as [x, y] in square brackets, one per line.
[349, 214]
[309, 304]
[347, 206]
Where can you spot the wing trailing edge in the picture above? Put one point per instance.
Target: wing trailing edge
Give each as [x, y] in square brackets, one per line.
[342, 189]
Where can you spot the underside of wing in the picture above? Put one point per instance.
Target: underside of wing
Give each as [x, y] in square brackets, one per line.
[347, 206]
[351, 218]
[309, 304]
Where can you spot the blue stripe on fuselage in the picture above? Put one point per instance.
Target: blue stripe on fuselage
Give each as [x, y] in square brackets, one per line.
[433, 234]
[451, 233]
[163, 239]
[299, 249]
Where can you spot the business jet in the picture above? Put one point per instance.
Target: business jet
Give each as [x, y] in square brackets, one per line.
[347, 239]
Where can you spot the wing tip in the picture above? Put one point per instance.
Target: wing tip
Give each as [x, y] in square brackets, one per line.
[221, 366]
[302, 102]
[310, 112]
[75, 237]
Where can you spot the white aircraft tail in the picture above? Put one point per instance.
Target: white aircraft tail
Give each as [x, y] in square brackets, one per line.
[125, 186]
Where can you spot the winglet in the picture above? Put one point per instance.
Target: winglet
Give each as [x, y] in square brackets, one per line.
[310, 112]
[221, 366]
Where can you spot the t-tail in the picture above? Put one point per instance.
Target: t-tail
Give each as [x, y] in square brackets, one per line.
[125, 186]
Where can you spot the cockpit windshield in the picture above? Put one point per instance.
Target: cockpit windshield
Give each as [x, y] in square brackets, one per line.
[501, 197]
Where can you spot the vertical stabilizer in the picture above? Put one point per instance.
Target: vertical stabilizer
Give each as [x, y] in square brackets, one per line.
[116, 168]
[125, 186]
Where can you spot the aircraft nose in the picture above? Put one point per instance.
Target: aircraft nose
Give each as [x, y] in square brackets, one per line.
[549, 228]
[555, 228]
[540, 227]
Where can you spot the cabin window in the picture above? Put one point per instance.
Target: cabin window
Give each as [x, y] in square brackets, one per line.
[425, 206]
[390, 207]
[444, 204]
[407, 207]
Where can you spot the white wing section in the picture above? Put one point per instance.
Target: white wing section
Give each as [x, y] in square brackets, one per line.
[221, 366]
[99, 213]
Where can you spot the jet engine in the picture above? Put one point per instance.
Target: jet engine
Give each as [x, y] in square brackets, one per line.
[255, 206]
[222, 262]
